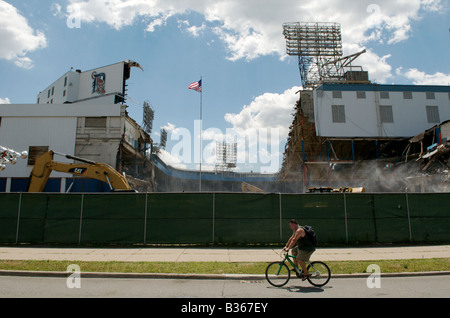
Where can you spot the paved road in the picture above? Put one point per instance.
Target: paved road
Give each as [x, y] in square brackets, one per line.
[403, 287]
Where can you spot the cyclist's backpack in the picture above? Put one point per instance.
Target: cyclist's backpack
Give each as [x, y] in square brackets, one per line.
[312, 236]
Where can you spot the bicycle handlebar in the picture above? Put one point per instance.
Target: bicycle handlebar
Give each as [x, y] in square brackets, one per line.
[283, 254]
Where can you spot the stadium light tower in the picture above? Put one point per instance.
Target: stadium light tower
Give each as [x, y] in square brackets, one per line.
[320, 54]
[148, 117]
[226, 156]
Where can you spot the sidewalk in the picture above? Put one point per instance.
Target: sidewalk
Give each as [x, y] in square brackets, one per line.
[217, 254]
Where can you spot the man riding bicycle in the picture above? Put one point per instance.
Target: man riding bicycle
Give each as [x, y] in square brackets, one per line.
[301, 247]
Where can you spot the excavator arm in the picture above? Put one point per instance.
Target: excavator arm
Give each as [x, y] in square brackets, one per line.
[89, 169]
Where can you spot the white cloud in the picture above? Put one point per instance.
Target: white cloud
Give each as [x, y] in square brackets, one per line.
[264, 123]
[169, 127]
[157, 22]
[253, 28]
[119, 14]
[421, 78]
[432, 5]
[195, 31]
[5, 100]
[171, 160]
[56, 9]
[24, 62]
[17, 37]
[270, 110]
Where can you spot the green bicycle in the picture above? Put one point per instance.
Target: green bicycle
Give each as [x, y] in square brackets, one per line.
[278, 273]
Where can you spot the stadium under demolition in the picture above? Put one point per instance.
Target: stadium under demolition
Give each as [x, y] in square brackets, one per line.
[346, 133]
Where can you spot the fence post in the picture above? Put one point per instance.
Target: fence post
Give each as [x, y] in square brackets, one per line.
[374, 217]
[409, 218]
[213, 217]
[345, 217]
[281, 215]
[81, 218]
[18, 218]
[145, 219]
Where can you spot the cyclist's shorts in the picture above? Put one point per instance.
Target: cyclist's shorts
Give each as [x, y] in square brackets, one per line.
[302, 255]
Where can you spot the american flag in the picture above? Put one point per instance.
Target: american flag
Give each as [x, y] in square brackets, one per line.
[196, 86]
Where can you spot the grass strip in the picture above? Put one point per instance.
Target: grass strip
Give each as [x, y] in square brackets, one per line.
[337, 267]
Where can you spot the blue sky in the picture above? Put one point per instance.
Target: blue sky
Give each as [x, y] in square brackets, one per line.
[237, 46]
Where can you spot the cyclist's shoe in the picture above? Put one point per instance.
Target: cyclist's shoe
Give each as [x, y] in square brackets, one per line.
[305, 277]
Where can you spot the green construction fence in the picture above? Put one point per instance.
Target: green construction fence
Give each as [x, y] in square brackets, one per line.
[222, 218]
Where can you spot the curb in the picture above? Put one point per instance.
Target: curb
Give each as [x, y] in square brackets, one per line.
[249, 277]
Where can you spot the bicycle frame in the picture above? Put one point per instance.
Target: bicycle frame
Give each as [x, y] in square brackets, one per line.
[288, 258]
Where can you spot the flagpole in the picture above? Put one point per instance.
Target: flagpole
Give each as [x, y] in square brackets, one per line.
[201, 128]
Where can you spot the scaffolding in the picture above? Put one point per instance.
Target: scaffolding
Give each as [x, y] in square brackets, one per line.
[226, 156]
[319, 50]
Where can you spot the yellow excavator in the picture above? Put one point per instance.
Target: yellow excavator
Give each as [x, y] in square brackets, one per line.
[89, 169]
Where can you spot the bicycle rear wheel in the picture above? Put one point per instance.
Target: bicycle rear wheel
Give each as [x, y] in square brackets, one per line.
[320, 274]
[277, 274]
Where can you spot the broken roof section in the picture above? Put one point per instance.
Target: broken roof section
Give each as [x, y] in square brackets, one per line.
[441, 132]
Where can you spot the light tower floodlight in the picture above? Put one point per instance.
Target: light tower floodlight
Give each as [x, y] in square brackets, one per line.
[226, 156]
[163, 138]
[320, 54]
[148, 117]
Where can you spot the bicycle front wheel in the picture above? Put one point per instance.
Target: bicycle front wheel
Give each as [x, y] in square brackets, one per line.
[277, 274]
[320, 274]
